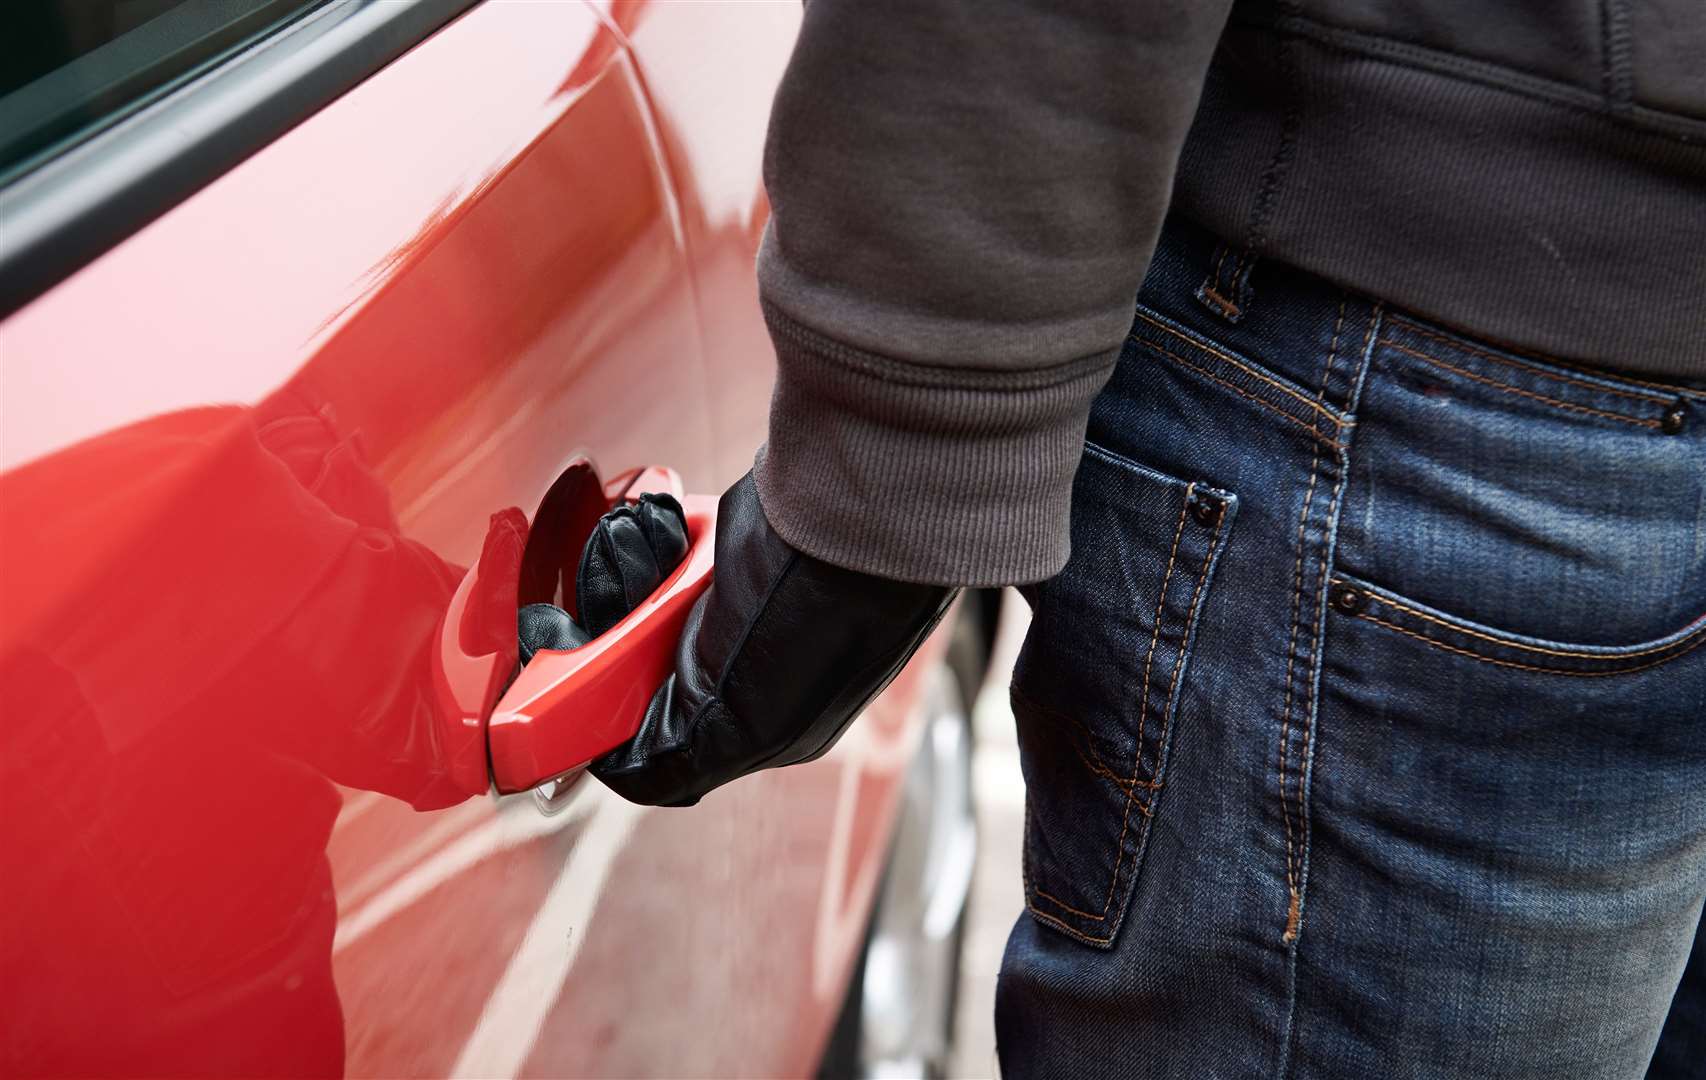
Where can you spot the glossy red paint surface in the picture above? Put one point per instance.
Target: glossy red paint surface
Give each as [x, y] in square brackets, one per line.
[269, 470]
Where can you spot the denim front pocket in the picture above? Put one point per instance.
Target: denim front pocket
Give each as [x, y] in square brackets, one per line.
[1097, 682]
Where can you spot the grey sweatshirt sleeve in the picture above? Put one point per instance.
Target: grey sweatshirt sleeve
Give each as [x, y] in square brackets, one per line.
[965, 195]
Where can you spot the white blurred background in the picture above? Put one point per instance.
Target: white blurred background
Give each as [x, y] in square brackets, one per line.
[997, 893]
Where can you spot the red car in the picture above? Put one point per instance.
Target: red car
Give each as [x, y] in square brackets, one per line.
[329, 328]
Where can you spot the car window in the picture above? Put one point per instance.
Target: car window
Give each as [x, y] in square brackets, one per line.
[70, 67]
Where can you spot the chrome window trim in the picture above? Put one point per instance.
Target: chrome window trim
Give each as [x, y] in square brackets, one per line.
[69, 210]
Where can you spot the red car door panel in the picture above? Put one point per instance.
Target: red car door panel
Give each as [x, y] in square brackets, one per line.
[251, 454]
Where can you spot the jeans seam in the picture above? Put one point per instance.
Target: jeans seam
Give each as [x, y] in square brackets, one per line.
[1170, 705]
[1308, 402]
[1240, 391]
[1149, 660]
[1293, 900]
[1067, 928]
[1447, 624]
[1509, 389]
[1692, 643]
[1305, 768]
[1463, 346]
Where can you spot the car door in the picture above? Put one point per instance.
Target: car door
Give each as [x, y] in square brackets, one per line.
[275, 392]
[251, 449]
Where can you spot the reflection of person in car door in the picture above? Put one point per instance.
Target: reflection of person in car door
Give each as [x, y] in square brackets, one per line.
[1363, 704]
[159, 912]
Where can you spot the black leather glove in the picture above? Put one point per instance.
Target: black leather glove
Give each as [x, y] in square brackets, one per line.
[627, 557]
[547, 626]
[778, 656]
[631, 550]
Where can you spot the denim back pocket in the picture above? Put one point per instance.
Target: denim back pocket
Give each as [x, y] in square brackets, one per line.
[1097, 682]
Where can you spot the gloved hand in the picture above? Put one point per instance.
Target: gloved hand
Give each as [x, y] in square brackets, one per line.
[778, 656]
[631, 550]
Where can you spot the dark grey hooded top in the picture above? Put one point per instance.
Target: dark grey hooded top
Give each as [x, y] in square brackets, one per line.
[966, 194]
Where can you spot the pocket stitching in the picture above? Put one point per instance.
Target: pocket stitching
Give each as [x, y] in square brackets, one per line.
[1142, 717]
[1639, 395]
[1178, 666]
[1098, 767]
[1509, 389]
[1305, 399]
[1292, 872]
[1613, 656]
[1699, 638]
[1241, 392]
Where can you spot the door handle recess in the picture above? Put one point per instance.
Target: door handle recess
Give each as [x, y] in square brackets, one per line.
[567, 708]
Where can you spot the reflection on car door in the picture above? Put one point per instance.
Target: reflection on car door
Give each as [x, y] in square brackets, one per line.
[414, 309]
[250, 453]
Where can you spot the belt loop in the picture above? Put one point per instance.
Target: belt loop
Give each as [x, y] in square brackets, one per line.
[1226, 290]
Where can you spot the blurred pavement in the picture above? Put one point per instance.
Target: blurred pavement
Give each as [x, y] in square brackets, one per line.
[997, 894]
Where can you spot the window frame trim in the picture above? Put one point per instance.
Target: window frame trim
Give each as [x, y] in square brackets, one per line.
[72, 208]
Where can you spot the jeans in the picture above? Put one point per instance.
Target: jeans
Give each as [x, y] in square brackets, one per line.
[1364, 734]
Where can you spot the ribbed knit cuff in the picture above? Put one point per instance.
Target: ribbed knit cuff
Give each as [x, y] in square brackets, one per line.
[932, 474]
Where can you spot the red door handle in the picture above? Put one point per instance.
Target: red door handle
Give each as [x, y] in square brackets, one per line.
[566, 708]
[476, 653]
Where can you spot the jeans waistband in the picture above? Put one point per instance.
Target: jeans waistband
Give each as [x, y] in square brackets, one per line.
[1289, 319]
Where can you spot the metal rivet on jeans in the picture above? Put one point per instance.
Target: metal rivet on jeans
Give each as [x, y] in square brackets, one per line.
[1674, 421]
[1348, 600]
[1206, 509]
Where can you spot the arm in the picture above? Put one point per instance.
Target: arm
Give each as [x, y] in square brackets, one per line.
[965, 196]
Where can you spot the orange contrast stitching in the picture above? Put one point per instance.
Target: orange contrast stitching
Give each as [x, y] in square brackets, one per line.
[1669, 392]
[1154, 638]
[1239, 390]
[1437, 621]
[1296, 615]
[1143, 704]
[1178, 664]
[1179, 661]
[1542, 372]
[1226, 306]
[1148, 664]
[1064, 906]
[1238, 270]
[1069, 931]
[1424, 639]
[1246, 368]
[1098, 769]
[1097, 766]
[1294, 910]
[1518, 390]
[1666, 391]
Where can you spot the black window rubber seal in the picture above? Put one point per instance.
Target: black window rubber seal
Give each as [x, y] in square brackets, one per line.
[69, 210]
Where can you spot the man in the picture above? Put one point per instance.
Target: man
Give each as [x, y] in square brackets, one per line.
[1363, 713]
